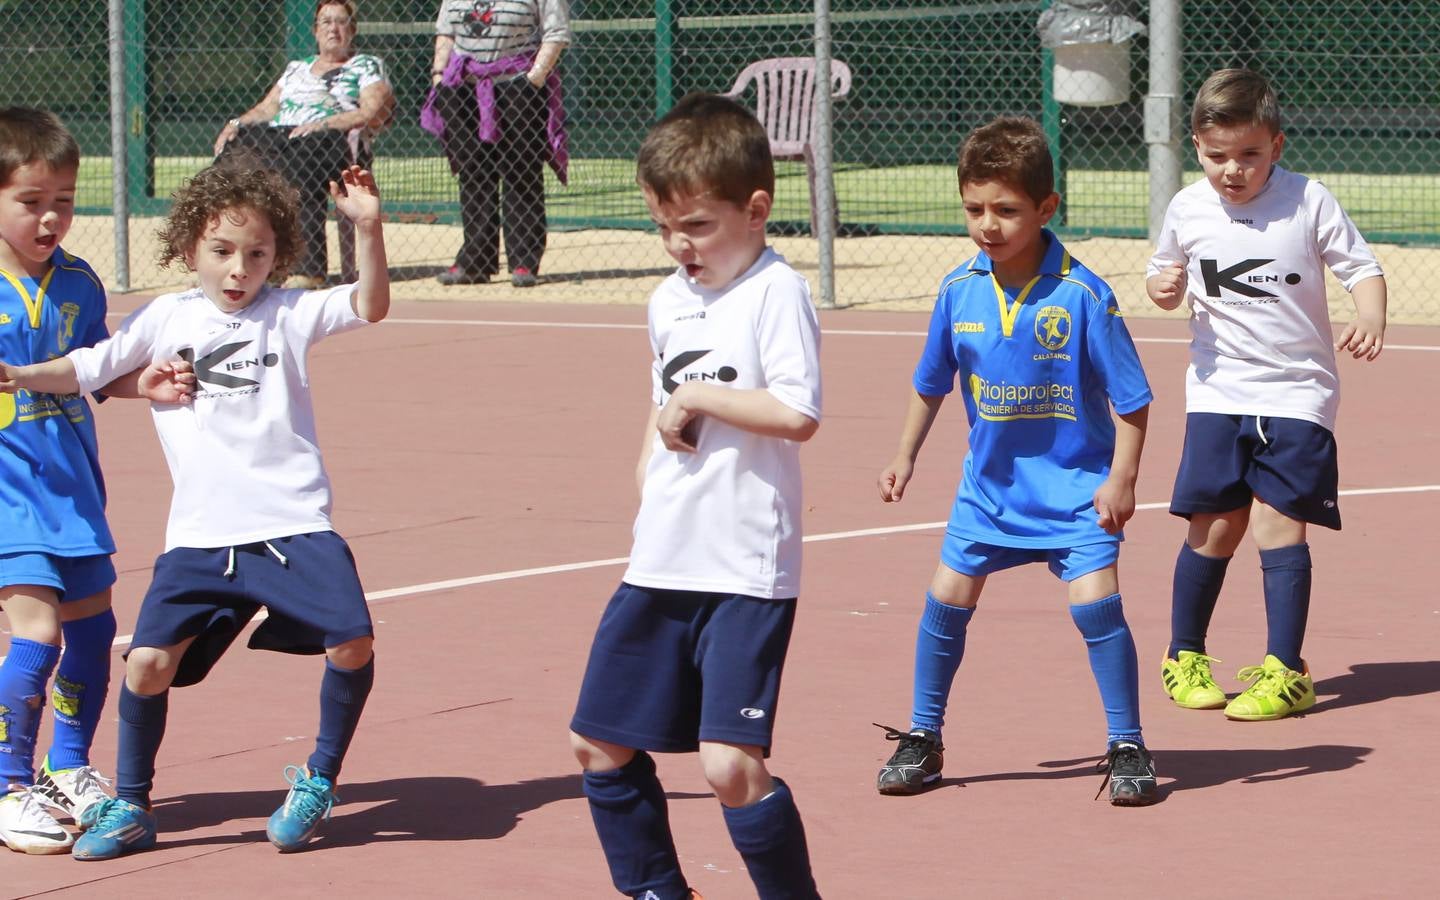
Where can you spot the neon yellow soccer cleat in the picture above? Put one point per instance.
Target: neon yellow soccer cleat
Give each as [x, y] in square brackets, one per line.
[1189, 683]
[1275, 692]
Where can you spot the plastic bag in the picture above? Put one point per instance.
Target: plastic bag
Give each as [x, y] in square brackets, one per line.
[1087, 22]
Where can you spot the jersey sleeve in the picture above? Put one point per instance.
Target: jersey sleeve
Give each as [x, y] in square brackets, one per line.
[130, 347]
[1340, 244]
[789, 339]
[1167, 247]
[935, 373]
[1112, 352]
[319, 314]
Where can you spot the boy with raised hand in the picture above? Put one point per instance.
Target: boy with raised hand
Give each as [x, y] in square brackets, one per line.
[1247, 247]
[1042, 356]
[249, 522]
[689, 652]
[55, 546]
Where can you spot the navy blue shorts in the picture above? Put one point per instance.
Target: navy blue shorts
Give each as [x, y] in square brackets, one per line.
[306, 582]
[669, 669]
[1290, 464]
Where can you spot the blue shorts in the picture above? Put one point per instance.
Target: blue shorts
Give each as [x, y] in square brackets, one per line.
[72, 577]
[307, 582]
[1290, 464]
[669, 669]
[1067, 563]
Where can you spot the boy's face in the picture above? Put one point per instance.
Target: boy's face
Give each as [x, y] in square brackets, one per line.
[37, 206]
[1237, 158]
[714, 240]
[234, 257]
[1005, 222]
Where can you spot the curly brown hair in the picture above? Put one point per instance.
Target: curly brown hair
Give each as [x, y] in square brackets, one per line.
[240, 180]
[1011, 149]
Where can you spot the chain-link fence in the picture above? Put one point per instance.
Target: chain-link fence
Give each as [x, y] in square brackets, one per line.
[1359, 84]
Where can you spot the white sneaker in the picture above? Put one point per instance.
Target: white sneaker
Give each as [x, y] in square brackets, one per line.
[72, 791]
[26, 826]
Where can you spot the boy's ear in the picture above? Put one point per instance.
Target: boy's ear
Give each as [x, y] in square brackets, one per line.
[1277, 147]
[190, 259]
[758, 209]
[1048, 206]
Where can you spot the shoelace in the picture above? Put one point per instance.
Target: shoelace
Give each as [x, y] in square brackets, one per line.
[33, 814]
[89, 781]
[1266, 682]
[1125, 761]
[308, 799]
[912, 749]
[1195, 670]
[106, 815]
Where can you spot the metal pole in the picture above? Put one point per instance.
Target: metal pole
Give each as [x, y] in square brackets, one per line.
[1162, 108]
[824, 156]
[119, 167]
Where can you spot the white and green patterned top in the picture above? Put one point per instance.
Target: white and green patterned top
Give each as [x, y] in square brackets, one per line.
[306, 97]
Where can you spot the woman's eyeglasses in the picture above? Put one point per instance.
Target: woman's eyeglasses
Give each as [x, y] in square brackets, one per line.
[341, 21]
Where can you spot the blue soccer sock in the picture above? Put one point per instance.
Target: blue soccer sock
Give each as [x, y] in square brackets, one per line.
[81, 686]
[1197, 584]
[1112, 659]
[1287, 601]
[23, 677]
[771, 839]
[939, 647]
[632, 819]
[342, 699]
[142, 728]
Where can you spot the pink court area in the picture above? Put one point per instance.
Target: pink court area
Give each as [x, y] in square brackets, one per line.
[482, 457]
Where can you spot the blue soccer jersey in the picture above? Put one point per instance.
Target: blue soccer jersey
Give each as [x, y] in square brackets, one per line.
[52, 499]
[1040, 369]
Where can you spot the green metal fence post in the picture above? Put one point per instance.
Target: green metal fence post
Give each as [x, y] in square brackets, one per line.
[140, 175]
[1050, 114]
[299, 28]
[667, 35]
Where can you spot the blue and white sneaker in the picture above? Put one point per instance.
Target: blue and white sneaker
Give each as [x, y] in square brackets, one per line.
[306, 806]
[114, 827]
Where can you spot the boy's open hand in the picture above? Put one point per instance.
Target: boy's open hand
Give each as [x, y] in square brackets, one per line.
[1363, 338]
[1167, 289]
[893, 480]
[172, 381]
[356, 196]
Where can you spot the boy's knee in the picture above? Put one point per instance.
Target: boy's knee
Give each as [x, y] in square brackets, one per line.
[736, 773]
[599, 756]
[353, 654]
[150, 670]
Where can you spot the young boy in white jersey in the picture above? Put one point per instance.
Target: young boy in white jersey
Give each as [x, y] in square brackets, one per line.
[55, 546]
[1042, 356]
[689, 652]
[250, 515]
[1247, 247]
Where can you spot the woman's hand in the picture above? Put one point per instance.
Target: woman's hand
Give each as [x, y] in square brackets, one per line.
[227, 134]
[312, 128]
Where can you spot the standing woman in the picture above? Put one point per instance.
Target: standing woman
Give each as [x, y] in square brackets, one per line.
[495, 106]
[317, 120]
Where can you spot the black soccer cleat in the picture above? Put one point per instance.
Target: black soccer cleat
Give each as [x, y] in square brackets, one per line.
[1131, 775]
[914, 764]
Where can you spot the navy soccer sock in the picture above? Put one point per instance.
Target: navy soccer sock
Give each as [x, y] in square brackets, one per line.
[81, 686]
[1287, 601]
[142, 728]
[23, 676]
[939, 647]
[771, 840]
[342, 699]
[1196, 589]
[632, 819]
[1112, 659]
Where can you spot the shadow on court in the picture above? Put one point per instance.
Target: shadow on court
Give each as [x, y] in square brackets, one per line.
[1374, 682]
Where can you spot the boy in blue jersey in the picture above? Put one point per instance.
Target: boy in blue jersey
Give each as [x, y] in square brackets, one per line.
[689, 652]
[1042, 355]
[55, 546]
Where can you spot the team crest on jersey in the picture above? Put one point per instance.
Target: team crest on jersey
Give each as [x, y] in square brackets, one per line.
[69, 312]
[67, 696]
[1052, 327]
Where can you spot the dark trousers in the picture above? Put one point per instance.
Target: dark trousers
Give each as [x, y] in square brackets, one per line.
[309, 164]
[503, 182]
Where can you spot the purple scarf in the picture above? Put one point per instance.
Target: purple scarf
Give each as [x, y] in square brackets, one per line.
[557, 144]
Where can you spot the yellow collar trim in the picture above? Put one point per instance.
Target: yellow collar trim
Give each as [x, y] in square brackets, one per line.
[34, 306]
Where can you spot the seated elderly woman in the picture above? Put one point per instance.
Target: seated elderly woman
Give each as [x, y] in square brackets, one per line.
[318, 119]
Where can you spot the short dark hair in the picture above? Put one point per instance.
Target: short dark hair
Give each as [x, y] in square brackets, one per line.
[706, 143]
[1232, 97]
[240, 180]
[29, 135]
[1012, 149]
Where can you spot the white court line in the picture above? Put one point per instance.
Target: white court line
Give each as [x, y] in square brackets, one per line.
[433, 586]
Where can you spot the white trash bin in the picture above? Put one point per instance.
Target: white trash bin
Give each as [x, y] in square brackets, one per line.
[1092, 74]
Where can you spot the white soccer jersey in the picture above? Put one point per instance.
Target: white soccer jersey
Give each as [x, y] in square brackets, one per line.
[243, 454]
[1261, 341]
[726, 518]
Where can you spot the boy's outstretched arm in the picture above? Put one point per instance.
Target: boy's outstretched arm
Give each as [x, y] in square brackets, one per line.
[755, 410]
[1364, 338]
[163, 382]
[919, 416]
[1115, 500]
[56, 376]
[360, 203]
[1167, 288]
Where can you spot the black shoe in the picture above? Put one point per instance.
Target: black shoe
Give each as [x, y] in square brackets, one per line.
[522, 277]
[914, 764]
[457, 275]
[1131, 775]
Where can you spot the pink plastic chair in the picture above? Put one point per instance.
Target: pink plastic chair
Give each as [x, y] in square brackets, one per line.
[785, 93]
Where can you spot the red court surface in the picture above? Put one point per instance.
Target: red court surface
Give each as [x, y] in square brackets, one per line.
[482, 457]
